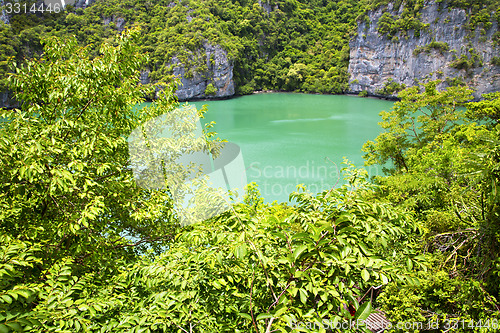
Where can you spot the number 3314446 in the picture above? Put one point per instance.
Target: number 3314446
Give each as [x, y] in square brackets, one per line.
[17, 8]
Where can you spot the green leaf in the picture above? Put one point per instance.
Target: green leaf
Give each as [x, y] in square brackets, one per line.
[365, 275]
[303, 295]
[245, 315]
[264, 316]
[280, 235]
[241, 251]
[364, 249]
[298, 251]
[15, 326]
[219, 258]
[409, 264]
[301, 235]
[363, 311]
[7, 299]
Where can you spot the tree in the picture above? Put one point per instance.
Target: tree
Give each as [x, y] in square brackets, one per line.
[445, 171]
[70, 208]
[64, 164]
[83, 248]
[419, 118]
[10, 45]
[210, 90]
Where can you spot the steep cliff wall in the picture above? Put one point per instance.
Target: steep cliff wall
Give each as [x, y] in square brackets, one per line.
[4, 17]
[195, 79]
[375, 60]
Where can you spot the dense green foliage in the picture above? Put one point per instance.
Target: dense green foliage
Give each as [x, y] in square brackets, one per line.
[439, 46]
[279, 45]
[444, 168]
[480, 14]
[467, 61]
[85, 249]
[82, 248]
[408, 20]
[390, 88]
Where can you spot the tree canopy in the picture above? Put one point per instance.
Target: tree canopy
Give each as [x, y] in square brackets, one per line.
[85, 249]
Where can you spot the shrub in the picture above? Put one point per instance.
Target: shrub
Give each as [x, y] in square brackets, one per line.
[439, 46]
[436, 297]
[390, 88]
[210, 90]
[456, 81]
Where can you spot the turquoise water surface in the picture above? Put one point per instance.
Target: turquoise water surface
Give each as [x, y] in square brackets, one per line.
[288, 139]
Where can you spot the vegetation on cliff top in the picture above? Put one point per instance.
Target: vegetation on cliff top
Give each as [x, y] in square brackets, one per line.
[274, 45]
[277, 45]
[480, 14]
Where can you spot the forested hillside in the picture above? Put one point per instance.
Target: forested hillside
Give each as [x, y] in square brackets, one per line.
[270, 45]
[287, 45]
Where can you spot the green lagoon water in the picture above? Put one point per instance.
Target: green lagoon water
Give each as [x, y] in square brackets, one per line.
[288, 139]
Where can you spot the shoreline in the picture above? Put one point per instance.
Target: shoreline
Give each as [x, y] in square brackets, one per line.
[347, 93]
[257, 92]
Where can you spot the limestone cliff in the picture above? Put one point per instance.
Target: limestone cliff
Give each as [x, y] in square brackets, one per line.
[4, 17]
[375, 60]
[195, 78]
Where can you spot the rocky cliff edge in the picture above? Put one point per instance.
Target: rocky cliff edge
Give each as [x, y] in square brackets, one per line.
[376, 60]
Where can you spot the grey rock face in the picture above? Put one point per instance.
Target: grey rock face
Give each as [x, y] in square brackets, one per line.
[375, 59]
[266, 6]
[219, 73]
[145, 76]
[118, 21]
[4, 17]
